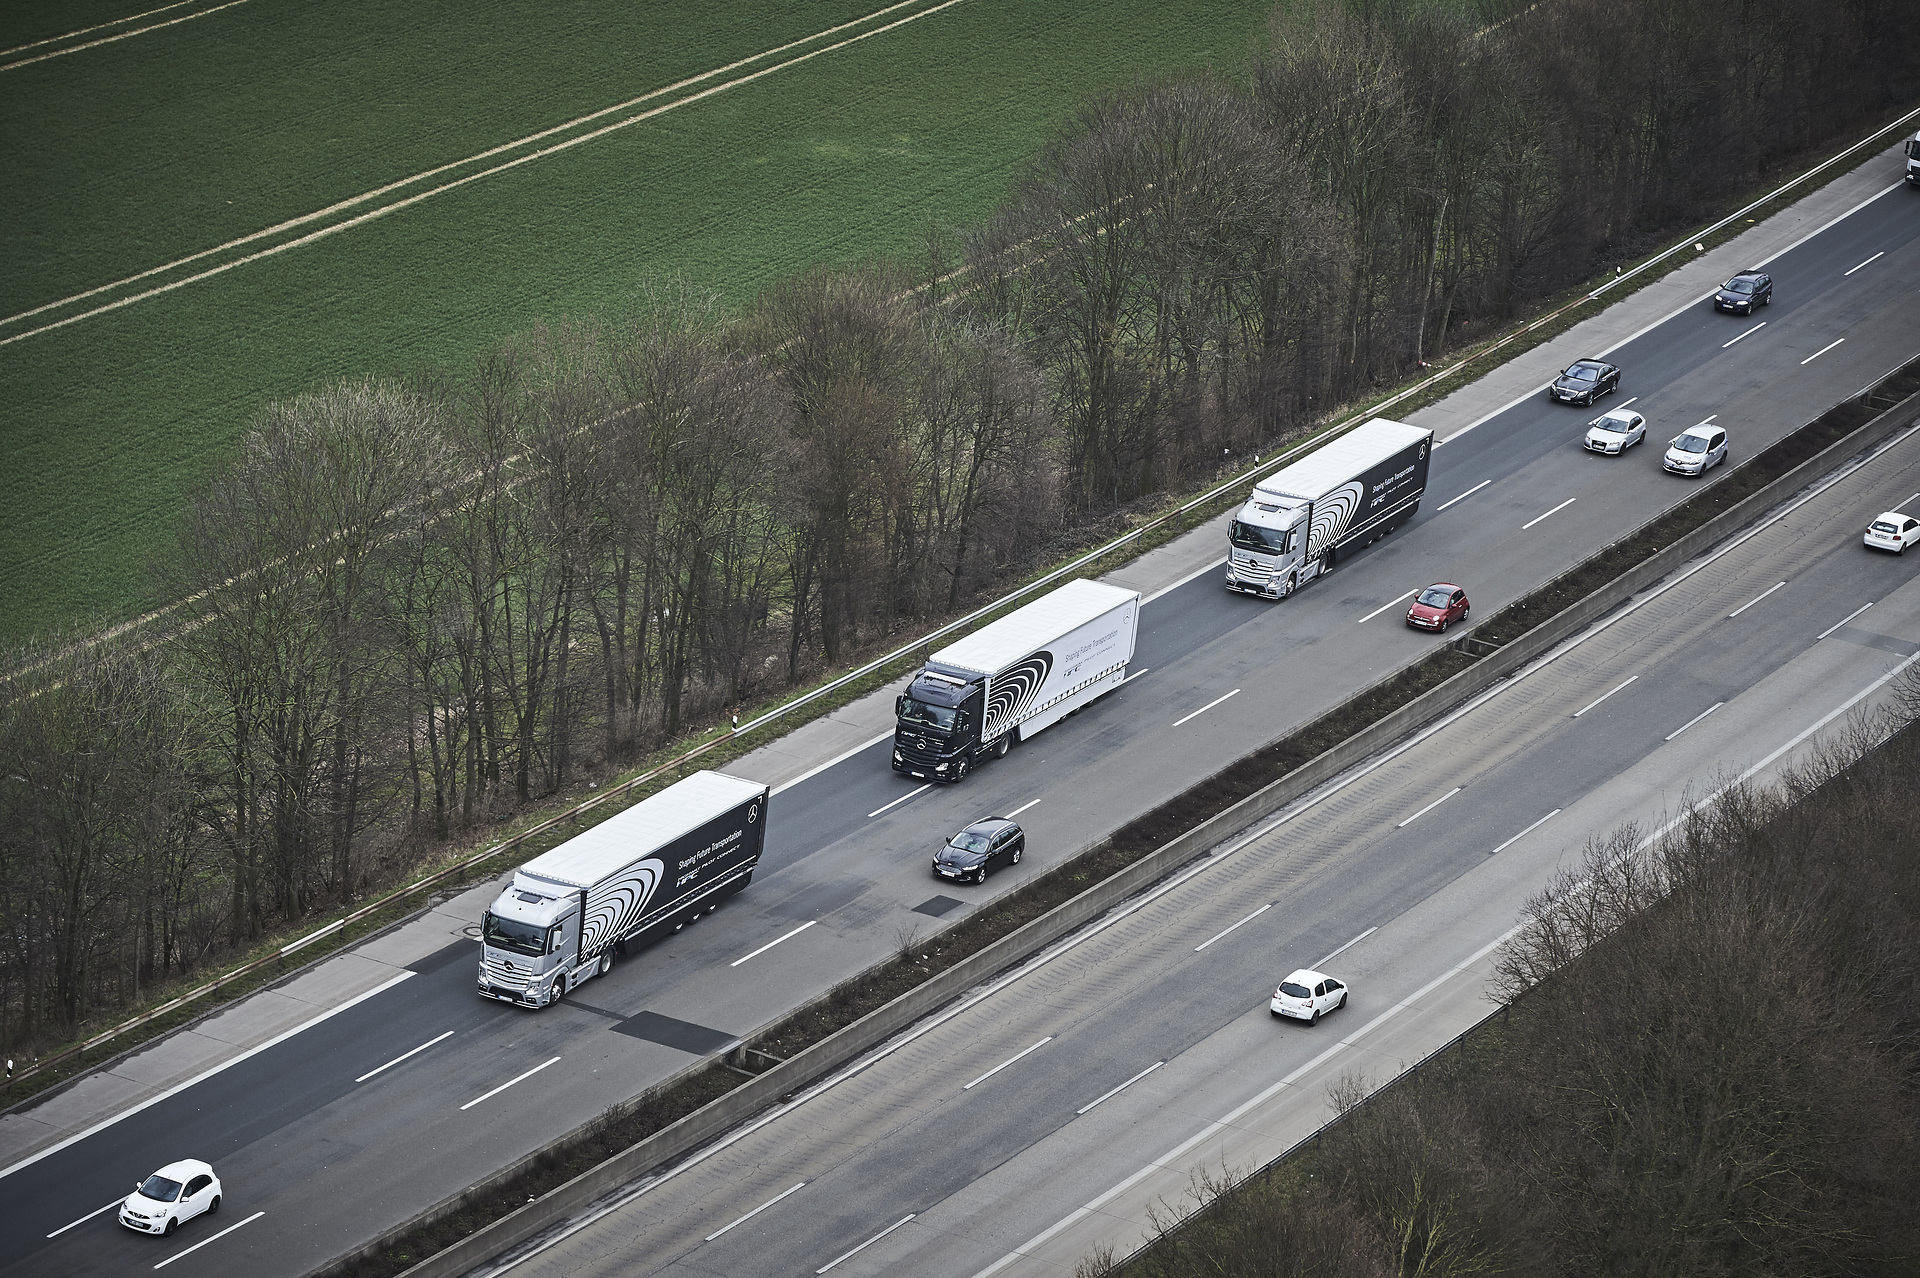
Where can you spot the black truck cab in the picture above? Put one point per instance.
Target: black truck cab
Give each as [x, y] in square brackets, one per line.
[937, 730]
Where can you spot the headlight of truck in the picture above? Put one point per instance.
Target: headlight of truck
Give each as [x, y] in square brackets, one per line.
[897, 758]
[939, 767]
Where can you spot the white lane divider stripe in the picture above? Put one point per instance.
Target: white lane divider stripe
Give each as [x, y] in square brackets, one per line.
[788, 936]
[89, 1216]
[1603, 696]
[1344, 948]
[1003, 1064]
[510, 1082]
[1697, 718]
[1706, 421]
[1223, 931]
[1843, 621]
[755, 1212]
[1210, 705]
[1524, 833]
[1751, 602]
[403, 1056]
[1749, 333]
[1022, 808]
[1562, 506]
[1389, 603]
[1876, 257]
[1822, 351]
[1430, 807]
[1107, 1096]
[1470, 492]
[204, 1241]
[897, 802]
[868, 1243]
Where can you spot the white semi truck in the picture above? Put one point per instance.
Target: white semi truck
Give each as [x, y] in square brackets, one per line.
[1008, 680]
[640, 873]
[1345, 493]
[1913, 160]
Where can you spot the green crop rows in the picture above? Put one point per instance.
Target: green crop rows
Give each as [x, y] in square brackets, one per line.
[137, 153]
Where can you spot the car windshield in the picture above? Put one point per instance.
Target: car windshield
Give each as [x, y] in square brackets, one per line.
[970, 840]
[1435, 596]
[1618, 425]
[1738, 285]
[913, 710]
[1881, 525]
[511, 934]
[1294, 991]
[1269, 541]
[1582, 373]
[1691, 443]
[160, 1189]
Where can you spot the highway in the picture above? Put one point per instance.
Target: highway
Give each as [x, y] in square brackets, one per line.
[328, 1137]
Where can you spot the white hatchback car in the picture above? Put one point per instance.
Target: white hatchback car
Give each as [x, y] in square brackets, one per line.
[1615, 432]
[1696, 450]
[179, 1191]
[1306, 994]
[1893, 531]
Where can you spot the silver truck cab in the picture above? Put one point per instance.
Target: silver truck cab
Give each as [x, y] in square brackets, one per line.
[530, 942]
[1268, 545]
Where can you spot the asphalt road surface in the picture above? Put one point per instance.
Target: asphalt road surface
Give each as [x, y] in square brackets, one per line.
[328, 1137]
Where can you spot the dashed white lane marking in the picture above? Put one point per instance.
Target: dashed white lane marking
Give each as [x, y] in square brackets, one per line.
[1430, 807]
[1022, 808]
[1697, 718]
[1003, 1064]
[1562, 506]
[868, 1243]
[1203, 709]
[1749, 333]
[404, 1056]
[1603, 696]
[1751, 602]
[897, 802]
[89, 1216]
[1322, 964]
[519, 1078]
[1822, 351]
[204, 1241]
[755, 1212]
[1843, 621]
[788, 936]
[1107, 1096]
[1876, 257]
[1524, 833]
[1470, 492]
[1223, 931]
[1390, 603]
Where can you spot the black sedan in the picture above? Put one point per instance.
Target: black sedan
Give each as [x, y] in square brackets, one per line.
[1584, 381]
[1745, 293]
[983, 846]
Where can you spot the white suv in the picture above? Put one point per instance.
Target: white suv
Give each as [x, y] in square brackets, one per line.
[1696, 450]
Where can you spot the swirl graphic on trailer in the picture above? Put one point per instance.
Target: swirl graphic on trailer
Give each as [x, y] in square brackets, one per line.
[1013, 692]
[1332, 514]
[613, 908]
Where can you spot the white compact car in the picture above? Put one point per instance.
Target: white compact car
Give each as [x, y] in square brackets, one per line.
[1892, 531]
[1615, 432]
[1306, 994]
[1696, 450]
[179, 1191]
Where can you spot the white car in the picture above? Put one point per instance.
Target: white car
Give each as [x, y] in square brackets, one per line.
[1306, 994]
[1893, 531]
[1696, 450]
[1615, 432]
[179, 1191]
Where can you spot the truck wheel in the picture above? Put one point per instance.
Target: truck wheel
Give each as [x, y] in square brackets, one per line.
[606, 963]
[1004, 744]
[960, 767]
[1287, 587]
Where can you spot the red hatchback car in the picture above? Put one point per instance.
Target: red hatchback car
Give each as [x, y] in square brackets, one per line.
[1438, 606]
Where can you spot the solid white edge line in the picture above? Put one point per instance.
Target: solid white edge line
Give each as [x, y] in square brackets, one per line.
[1243, 1109]
[775, 941]
[1843, 621]
[1391, 602]
[509, 1083]
[1107, 1096]
[1470, 492]
[1603, 696]
[1344, 948]
[1022, 808]
[835, 761]
[1697, 718]
[1430, 807]
[1524, 833]
[1751, 602]
[201, 1077]
[1562, 506]
[1749, 333]
[1223, 931]
[89, 1216]
[1827, 226]
[1210, 705]
[1876, 257]
[1822, 351]
[755, 1212]
[204, 1241]
[1197, 572]
[403, 1056]
[1003, 1064]
[868, 1243]
[897, 802]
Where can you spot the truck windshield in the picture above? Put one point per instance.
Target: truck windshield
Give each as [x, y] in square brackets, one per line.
[510, 934]
[912, 711]
[1270, 541]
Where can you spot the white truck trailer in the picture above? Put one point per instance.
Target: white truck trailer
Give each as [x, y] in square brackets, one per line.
[1008, 680]
[648, 870]
[1343, 494]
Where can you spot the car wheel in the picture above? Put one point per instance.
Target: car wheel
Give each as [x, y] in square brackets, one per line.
[213, 1206]
[980, 875]
[1343, 999]
[1315, 1018]
[1004, 744]
[171, 1226]
[1017, 854]
[1275, 1015]
[1444, 623]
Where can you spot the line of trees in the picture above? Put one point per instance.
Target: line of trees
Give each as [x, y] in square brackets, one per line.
[1707, 1068]
[413, 609]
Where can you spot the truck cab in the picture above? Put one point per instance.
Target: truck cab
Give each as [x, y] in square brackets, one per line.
[1913, 160]
[1268, 556]
[530, 943]
[937, 731]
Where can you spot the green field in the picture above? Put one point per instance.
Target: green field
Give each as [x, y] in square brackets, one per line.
[136, 153]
